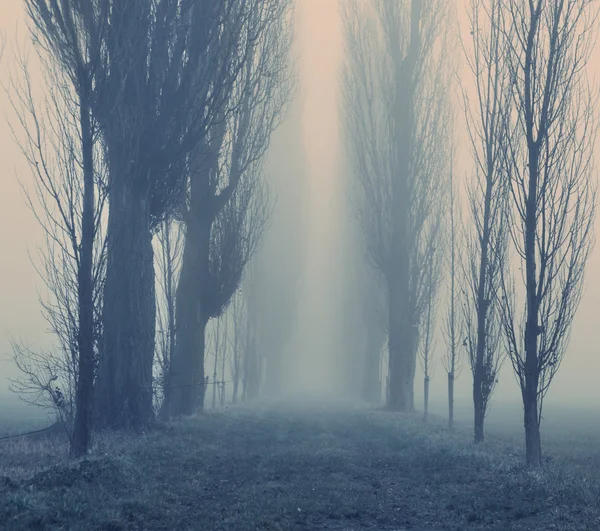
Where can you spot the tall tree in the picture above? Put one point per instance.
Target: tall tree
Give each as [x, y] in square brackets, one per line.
[236, 364]
[486, 245]
[161, 77]
[277, 266]
[395, 107]
[170, 244]
[427, 338]
[226, 210]
[67, 189]
[546, 48]
[373, 318]
[453, 328]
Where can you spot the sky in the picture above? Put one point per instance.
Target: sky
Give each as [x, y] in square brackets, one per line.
[320, 51]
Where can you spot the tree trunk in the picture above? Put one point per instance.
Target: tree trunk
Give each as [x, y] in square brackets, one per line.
[124, 383]
[450, 400]
[402, 362]
[223, 370]
[531, 369]
[235, 391]
[402, 334]
[85, 293]
[245, 376]
[402, 351]
[480, 393]
[479, 414]
[530, 393]
[186, 379]
[371, 386]
[533, 443]
[253, 368]
[426, 398]
[214, 389]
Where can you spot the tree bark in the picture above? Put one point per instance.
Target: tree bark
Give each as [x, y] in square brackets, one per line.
[450, 400]
[214, 382]
[85, 382]
[530, 393]
[480, 395]
[533, 443]
[187, 367]
[402, 357]
[235, 391]
[402, 340]
[124, 383]
[479, 412]
[426, 398]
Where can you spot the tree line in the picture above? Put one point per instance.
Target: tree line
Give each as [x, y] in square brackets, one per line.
[147, 144]
[510, 247]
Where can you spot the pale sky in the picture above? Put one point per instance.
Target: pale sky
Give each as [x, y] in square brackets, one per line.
[320, 54]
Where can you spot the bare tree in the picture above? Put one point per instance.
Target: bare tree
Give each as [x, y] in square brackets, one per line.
[161, 86]
[61, 146]
[547, 46]
[227, 207]
[373, 318]
[453, 327]
[220, 339]
[432, 280]
[396, 112]
[486, 245]
[252, 381]
[236, 364]
[170, 243]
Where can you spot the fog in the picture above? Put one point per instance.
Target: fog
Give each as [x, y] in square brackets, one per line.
[312, 139]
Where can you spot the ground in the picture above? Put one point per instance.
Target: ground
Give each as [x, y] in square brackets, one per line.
[284, 467]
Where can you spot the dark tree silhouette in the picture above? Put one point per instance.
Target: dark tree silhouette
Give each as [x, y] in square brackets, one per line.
[546, 47]
[227, 207]
[453, 326]
[395, 107]
[487, 239]
[62, 148]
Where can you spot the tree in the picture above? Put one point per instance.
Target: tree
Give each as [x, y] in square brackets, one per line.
[373, 318]
[220, 340]
[453, 328]
[546, 48]
[396, 111]
[161, 78]
[427, 342]
[487, 239]
[170, 244]
[227, 208]
[61, 146]
[364, 326]
[236, 363]
[277, 267]
[252, 380]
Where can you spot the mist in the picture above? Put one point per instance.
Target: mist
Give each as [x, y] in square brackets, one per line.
[268, 294]
[309, 148]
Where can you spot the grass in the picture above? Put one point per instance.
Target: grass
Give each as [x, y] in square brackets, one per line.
[286, 467]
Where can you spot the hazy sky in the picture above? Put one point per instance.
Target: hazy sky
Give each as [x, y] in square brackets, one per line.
[320, 53]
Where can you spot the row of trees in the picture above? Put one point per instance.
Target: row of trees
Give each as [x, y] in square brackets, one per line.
[150, 135]
[514, 264]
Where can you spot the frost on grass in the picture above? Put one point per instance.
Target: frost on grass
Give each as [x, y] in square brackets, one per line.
[279, 466]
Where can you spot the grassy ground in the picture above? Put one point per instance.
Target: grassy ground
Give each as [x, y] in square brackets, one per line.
[285, 467]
